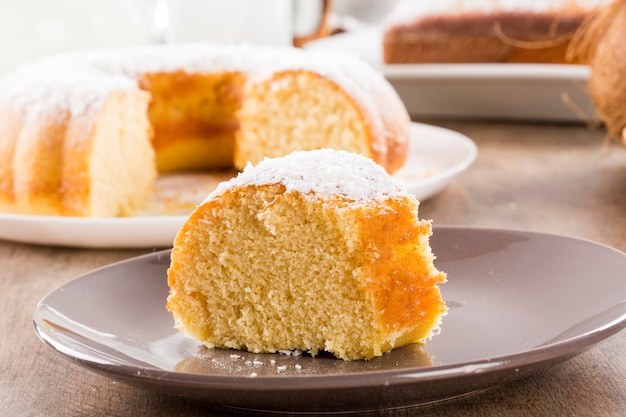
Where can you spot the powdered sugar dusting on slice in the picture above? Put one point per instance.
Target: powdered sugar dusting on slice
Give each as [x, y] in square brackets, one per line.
[320, 174]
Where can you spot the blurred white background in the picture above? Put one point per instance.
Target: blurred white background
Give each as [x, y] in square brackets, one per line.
[31, 29]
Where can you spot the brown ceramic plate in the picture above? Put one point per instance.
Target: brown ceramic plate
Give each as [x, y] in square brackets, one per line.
[520, 301]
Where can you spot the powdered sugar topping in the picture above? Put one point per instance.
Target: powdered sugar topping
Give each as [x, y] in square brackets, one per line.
[82, 81]
[323, 173]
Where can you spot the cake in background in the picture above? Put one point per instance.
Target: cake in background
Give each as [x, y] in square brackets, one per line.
[482, 31]
[86, 134]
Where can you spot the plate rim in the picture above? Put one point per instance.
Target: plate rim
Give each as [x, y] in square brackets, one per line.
[469, 158]
[542, 354]
[488, 71]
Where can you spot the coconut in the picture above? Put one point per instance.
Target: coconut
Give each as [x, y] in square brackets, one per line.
[602, 41]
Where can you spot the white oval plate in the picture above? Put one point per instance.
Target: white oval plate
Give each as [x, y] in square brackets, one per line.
[437, 156]
[553, 92]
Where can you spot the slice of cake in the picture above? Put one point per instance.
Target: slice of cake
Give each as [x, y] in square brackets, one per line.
[315, 251]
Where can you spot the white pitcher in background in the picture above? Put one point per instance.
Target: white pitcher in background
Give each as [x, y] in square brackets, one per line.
[266, 22]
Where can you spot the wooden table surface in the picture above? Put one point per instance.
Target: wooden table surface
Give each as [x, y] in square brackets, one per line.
[552, 178]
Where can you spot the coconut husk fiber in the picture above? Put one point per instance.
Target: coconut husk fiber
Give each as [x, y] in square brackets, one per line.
[602, 41]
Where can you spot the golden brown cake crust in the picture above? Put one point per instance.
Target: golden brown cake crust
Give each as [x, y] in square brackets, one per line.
[497, 36]
[406, 284]
[9, 133]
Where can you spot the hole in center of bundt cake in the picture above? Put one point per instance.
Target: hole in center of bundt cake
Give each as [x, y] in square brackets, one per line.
[194, 118]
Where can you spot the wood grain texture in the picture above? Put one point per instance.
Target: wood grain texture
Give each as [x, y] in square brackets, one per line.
[552, 178]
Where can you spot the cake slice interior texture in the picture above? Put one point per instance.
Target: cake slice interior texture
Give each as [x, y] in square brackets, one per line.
[268, 270]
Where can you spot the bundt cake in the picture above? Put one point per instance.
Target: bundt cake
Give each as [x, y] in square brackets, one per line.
[462, 31]
[86, 134]
[315, 251]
